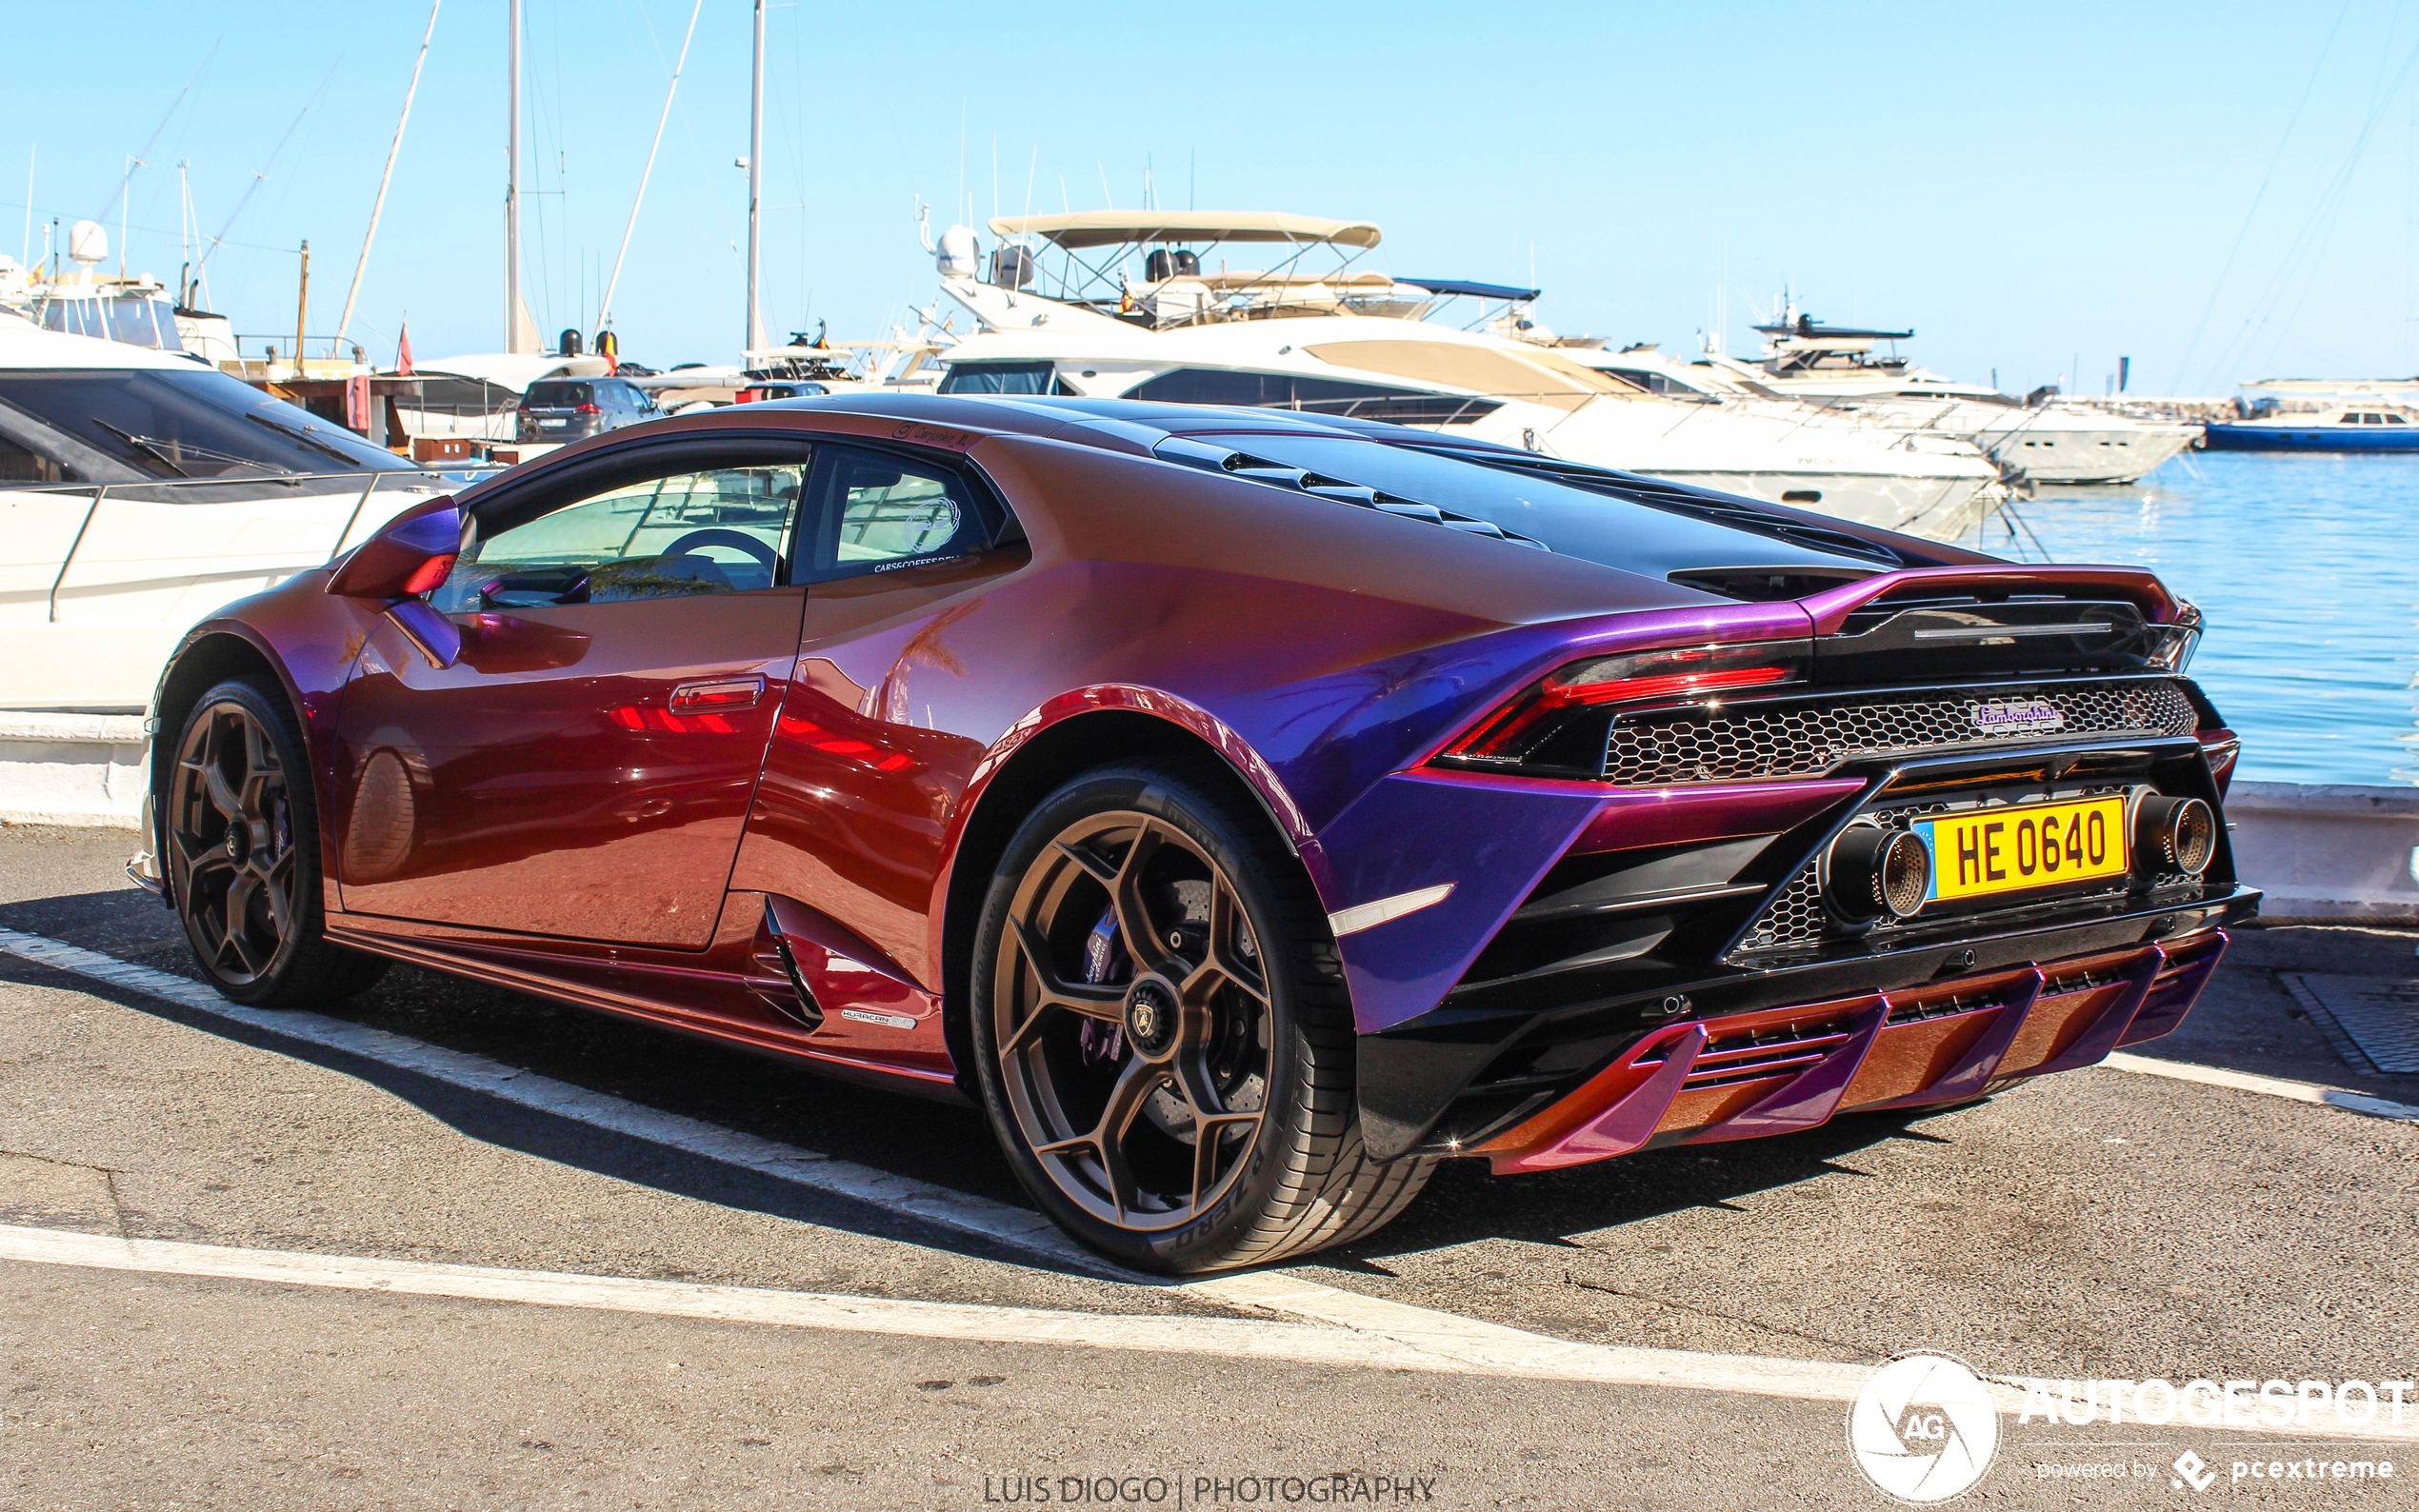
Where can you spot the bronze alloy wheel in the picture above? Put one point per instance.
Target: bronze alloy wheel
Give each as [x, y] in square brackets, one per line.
[1160, 1032]
[1130, 1018]
[231, 842]
[239, 841]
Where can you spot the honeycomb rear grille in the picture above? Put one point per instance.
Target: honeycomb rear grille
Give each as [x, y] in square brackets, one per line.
[1808, 739]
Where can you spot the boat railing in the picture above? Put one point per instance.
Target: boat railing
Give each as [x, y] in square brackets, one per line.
[429, 481]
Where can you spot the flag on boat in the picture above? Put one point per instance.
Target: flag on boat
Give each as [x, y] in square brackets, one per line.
[403, 350]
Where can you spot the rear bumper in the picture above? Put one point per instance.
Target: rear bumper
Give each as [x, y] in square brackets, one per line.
[1793, 1068]
[1913, 1026]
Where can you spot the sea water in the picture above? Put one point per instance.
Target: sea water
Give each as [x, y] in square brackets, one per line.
[2307, 570]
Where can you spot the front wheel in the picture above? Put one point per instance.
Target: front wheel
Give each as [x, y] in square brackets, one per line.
[242, 856]
[1162, 1034]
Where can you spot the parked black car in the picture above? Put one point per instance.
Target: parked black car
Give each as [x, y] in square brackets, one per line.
[571, 409]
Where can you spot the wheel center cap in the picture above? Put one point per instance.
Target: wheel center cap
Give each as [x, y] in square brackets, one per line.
[238, 843]
[1150, 1017]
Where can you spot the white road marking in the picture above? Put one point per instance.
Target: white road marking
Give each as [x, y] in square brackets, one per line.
[2265, 1086]
[1369, 915]
[1457, 1346]
[1369, 1331]
[1017, 1227]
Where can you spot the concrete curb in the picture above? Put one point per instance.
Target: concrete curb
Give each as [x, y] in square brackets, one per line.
[73, 769]
[2327, 853]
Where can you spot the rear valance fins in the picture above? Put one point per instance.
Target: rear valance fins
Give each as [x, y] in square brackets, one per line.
[1259, 470]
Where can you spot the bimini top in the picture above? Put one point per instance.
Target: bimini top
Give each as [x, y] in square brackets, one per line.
[1452, 286]
[1079, 228]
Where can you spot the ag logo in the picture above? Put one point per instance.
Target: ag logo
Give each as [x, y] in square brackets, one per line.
[1923, 1428]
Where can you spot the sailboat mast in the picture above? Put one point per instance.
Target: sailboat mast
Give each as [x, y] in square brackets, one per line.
[755, 184]
[378, 206]
[604, 309]
[513, 189]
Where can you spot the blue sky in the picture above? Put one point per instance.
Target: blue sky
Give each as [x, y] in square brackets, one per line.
[2220, 192]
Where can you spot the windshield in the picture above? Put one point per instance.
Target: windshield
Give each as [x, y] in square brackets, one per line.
[1572, 521]
[173, 422]
[557, 396]
[131, 318]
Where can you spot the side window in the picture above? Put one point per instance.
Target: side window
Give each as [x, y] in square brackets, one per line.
[721, 531]
[885, 510]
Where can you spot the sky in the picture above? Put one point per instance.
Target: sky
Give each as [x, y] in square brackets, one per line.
[2218, 191]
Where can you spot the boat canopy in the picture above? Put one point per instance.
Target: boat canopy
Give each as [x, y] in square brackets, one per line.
[513, 371]
[1451, 286]
[1081, 228]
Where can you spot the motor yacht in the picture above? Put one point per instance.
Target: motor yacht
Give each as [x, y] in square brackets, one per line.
[140, 490]
[2037, 437]
[81, 300]
[1145, 304]
[2351, 425]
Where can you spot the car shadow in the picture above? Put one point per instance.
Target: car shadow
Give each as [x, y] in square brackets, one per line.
[1466, 1202]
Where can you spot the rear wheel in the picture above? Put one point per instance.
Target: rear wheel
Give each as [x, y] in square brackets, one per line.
[242, 855]
[1162, 1033]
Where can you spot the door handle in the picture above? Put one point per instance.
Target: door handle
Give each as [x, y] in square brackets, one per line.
[718, 695]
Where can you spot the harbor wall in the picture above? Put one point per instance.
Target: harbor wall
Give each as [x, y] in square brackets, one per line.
[2324, 853]
[2328, 853]
[71, 770]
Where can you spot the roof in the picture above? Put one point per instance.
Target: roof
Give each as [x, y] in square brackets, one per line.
[1079, 228]
[25, 345]
[1462, 286]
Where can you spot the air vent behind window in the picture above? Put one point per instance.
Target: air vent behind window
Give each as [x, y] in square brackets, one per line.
[1259, 470]
[1740, 514]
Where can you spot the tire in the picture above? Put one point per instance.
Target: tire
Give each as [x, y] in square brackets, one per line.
[241, 847]
[1103, 1066]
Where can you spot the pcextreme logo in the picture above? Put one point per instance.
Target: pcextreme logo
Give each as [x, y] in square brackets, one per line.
[1922, 1429]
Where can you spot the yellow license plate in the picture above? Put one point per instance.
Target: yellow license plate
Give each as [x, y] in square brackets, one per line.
[1993, 850]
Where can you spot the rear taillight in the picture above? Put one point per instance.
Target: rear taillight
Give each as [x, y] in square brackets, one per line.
[432, 574]
[1559, 722]
[590, 409]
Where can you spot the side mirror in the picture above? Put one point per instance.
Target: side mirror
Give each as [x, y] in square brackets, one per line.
[410, 555]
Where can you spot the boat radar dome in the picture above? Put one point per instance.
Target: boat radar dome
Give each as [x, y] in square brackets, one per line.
[87, 243]
[958, 256]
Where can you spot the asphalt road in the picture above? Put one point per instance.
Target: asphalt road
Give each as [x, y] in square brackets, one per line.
[2096, 1224]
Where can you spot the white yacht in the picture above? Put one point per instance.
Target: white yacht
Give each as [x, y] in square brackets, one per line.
[2037, 437]
[139, 491]
[81, 300]
[1351, 342]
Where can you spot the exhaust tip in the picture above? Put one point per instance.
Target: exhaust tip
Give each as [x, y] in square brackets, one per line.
[2180, 834]
[1878, 873]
